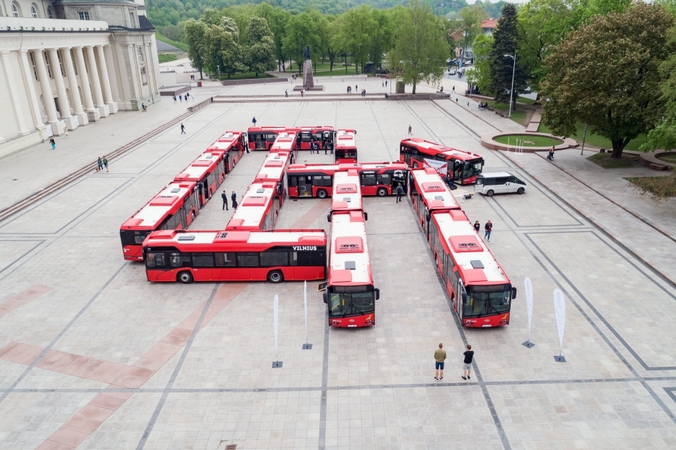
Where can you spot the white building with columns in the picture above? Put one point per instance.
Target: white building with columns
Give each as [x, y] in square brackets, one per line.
[69, 63]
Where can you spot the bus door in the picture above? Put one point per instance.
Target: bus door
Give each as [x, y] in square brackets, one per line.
[226, 163]
[461, 298]
[305, 186]
[196, 199]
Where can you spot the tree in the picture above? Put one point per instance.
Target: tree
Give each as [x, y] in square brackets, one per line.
[223, 53]
[260, 54]
[381, 34]
[300, 32]
[664, 134]
[354, 34]
[277, 19]
[195, 32]
[470, 19]
[420, 48]
[481, 75]
[506, 42]
[605, 74]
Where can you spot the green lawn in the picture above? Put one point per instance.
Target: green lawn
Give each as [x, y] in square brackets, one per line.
[528, 140]
[598, 141]
[518, 116]
[659, 187]
[163, 38]
[166, 57]
[607, 162]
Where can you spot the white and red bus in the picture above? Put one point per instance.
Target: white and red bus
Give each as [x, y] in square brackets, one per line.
[286, 142]
[274, 170]
[350, 293]
[316, 180]
[323, 136]
[346, 192]
[346, 146]
[429, 193]
[262, 138]
[480, 290]
[174, 207]
[207, 171]
[460, 166]
[258, 209]
[275, 256]
[232, 144]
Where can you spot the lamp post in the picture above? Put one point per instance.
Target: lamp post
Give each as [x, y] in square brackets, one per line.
[511, 90]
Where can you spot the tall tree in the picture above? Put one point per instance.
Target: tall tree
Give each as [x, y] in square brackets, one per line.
[223, 53]
[277, 19]
[470, 19]
[195, 32]
[481, 74]
[356, 26]
[506, 42]
[381, 34]
[606, 75]
[420, 48]
[300, 32]
[260, 53]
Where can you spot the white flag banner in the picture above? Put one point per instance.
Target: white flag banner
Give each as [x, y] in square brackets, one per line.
[305, 305]
[275, 311]
[528, 287]
[560, 311]
[440, 166]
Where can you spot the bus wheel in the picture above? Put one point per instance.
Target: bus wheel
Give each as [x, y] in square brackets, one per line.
[275, 276]
[490, 193]
[184, 277]
[322, 193]
[520, 191]
[382, 192]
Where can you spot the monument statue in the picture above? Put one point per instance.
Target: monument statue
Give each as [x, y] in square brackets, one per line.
[308, 78]
[306, 53]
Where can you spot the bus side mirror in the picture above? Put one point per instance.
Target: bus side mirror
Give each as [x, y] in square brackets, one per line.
[513, 293]
[377, 293]
[465, 299]
[366, 216]
[326, 297]
[328, 217]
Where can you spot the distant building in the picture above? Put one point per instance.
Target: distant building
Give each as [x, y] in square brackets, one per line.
[488, 26]
[69, 63]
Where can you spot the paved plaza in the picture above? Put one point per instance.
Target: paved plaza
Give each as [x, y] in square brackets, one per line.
[94, 356]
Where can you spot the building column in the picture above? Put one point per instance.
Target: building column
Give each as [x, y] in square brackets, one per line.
[36, 112]
[47, 96]
[64, 106]
[93, 114]
[112, 73]
[105, 81]
[96, 82]
[74, 91]
[13, 93]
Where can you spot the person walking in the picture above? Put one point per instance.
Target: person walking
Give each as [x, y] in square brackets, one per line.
[233, 197]
[52, 142]
[467, 363]
[410, 130]
[439, 358]
[400, 192]
[550, 155]
[477, 226]
[488, 228]
[182, 129]
[180, 98]
[254, 121]
[143, 107]
[224, 196]
[286, 93]
[99, 164]
[174, 99]
[234, 203]
[105, 163]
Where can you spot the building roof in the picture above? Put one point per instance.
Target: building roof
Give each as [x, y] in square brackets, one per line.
[489, 24]
[144, 23]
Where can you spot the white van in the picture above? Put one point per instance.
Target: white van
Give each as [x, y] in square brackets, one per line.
[499, 183]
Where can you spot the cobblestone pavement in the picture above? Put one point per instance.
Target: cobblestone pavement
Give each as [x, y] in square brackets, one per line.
[94, 356]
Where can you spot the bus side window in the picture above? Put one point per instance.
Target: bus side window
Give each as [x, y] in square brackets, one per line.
[203, 260]
[156, 260]
[179, 260]
[274, 258]
[293, 181]
[225, 260]
[312, 258]
[384, 178]
[247, 259]
[368, 179]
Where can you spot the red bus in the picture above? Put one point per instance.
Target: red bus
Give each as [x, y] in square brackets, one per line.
[174, 207]
[324, 136]
[258, 209]
[346, 193]
[346, 146]
[275, 256]
[429, 193]
[274, 171]
[232, 144]
[350, 293]
[262, 138]
[286, 142]
[207, 171]
[316, 180]
[480, 290]
[460, 166]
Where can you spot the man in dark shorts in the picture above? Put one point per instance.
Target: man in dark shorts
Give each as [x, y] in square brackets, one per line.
[467, 365]
[439, 358]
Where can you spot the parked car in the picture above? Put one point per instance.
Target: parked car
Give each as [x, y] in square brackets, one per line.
[499, 183]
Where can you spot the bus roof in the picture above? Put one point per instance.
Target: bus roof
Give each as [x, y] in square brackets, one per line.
[186, 238]
[346, 139]
[349, 262]
[226, 141]
[168, 200]
[273, 167]
[285, 142]
[476, 263]
[433, 190]
[201, 166]
[253, 206]
[346, 191]
[433, 149]
[266, 129]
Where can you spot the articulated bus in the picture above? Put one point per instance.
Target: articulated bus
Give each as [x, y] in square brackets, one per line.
[346, 146]
[346, 193]
[429, 193]
[232, 144]
[174, 207]
[258, 208]
[316, 180]
[324, 136]
[274, 170]
[460, 166]
[207, 171]
[479, 288]
[286, 142]
[350, 293]
[275, 256]
[262, 138]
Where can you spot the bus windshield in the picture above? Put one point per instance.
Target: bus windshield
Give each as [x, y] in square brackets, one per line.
[487, 301]
[473, 168]
[345, 304]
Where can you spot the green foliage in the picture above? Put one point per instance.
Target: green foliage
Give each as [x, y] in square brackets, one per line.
[659, 187]
[469, 22]
[301, 31]
[180, 45]
[260, 54]
[166, 57]
[506, 42]
[481, 75]
[420, 45]
[664, 134]
[195, 35]
[606, 75]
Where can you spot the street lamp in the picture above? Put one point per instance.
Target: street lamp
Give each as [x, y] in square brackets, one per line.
[511, 90]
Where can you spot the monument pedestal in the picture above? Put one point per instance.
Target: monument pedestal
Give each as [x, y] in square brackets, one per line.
[308, 79]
